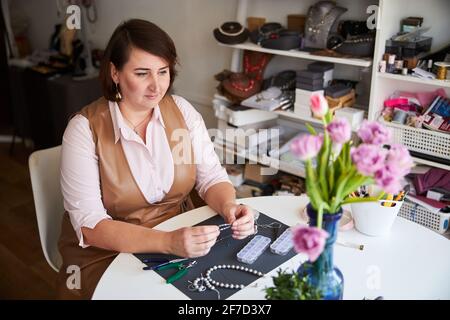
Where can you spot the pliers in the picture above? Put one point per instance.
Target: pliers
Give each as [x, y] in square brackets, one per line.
[160, 262]
[182, 269]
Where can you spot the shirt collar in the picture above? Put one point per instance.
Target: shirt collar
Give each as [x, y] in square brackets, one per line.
[119, 124]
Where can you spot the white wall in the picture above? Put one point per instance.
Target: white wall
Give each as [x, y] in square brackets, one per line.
[189, 22]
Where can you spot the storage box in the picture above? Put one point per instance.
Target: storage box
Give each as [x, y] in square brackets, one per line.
[423, 141]
[354, 116]
[303, 97]
[326, 67]
[438, 222]
[302, 110]
[296, 22]
[403, 49]
[309, 87]
[240, 116]
[254, 172]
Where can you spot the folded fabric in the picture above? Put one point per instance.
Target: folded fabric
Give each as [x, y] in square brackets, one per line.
[434, 178]
[424, 97]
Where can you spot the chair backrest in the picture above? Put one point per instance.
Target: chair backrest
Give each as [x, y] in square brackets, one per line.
[45, 173]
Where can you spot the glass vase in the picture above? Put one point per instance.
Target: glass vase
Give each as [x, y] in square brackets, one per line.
[322, 274]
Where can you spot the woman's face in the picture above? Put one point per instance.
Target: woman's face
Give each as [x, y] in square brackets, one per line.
[143, 80]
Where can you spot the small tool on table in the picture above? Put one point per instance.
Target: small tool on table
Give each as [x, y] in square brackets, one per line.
[182, 269]
[160, 262]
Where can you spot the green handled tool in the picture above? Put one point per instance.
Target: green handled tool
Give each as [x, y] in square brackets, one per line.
[182, 270]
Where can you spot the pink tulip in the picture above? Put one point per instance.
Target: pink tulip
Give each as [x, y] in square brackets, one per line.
[309, 240]
[373, 132]
[339, 130]
[388, 180]
[398, 157]
[368, 158]
[319, 105]
[306, 146]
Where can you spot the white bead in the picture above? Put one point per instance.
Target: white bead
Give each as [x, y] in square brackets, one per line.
[214, 268]
[231, 286]
[227, 285]
[245, 269]
[242, 286]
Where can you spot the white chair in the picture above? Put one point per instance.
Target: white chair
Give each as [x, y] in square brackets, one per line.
[48, 200]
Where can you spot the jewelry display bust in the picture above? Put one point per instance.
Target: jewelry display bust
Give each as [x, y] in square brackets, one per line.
[321, 21]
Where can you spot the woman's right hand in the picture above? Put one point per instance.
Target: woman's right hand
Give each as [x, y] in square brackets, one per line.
[192, 242]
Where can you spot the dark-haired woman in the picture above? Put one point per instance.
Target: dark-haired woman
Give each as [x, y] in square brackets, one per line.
[130, 161]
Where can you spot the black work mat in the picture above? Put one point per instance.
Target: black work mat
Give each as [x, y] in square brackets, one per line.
[224, 252]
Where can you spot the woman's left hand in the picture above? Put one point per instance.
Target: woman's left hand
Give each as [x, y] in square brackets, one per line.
[241, 218]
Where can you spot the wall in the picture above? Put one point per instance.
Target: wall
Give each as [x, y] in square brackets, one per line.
[189, 22]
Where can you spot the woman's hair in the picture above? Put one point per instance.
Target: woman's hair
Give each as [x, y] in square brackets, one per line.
[135, 33]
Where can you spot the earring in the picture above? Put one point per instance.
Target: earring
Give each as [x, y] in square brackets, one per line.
[118, 95]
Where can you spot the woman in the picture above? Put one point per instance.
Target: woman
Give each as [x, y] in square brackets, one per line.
[128, 165]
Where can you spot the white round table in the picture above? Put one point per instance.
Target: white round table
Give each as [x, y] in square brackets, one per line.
[412, 262]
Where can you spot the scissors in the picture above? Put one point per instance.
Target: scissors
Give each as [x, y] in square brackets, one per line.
[182, 269]
[160, 262]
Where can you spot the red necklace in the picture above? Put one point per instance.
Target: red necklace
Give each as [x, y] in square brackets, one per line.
[258, 67]
[249, 86]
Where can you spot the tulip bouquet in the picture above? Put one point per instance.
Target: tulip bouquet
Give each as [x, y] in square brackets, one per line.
[341, 168]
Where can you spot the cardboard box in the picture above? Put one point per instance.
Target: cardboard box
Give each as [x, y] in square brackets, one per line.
[253, 172]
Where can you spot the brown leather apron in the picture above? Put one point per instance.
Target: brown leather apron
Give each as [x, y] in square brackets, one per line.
[121, 196]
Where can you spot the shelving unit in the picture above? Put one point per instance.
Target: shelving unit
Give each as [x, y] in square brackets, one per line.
[267, 161]
[301, 55]
[277, 12]
[435, 14]
[397, 77]
[391, 12]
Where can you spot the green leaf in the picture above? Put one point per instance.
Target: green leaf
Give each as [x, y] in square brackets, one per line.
[311, 129]
[324, 163]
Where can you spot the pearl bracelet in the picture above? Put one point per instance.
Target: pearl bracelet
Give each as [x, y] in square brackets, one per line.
[212, 284]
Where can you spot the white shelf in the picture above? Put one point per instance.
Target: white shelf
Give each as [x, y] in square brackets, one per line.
[430, 163]
[267, 161]
[408, 78]
[295, 116]
[301, 54]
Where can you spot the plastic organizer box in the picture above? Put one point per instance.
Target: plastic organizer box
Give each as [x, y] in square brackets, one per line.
[438, 222]
[433, 143]
[253, 249]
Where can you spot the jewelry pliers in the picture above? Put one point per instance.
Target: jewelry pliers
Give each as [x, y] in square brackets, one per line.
[182, 269]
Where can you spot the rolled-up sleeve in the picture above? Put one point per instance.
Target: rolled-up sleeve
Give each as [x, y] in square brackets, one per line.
[80, 181]
[209, 169]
